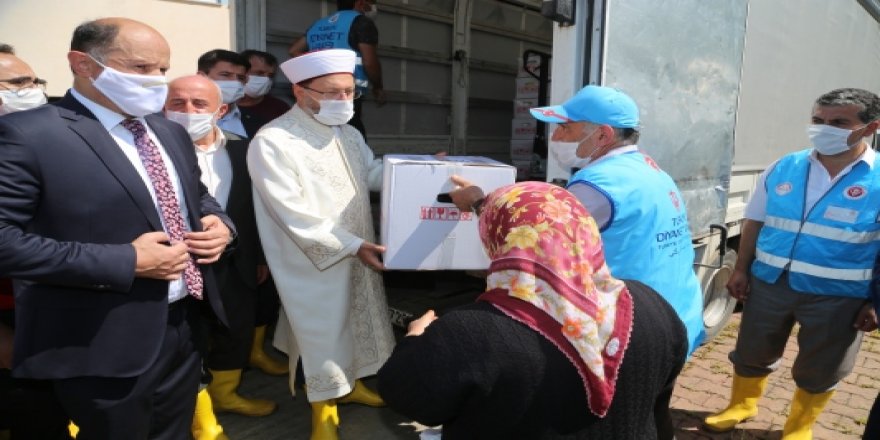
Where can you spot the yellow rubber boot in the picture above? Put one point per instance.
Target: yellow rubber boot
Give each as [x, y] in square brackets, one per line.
[325, 420]
[72, 429]
[223, 394]
[259, 358]
[744, 395]
[204, 425]
[363, 395]
[805, 409]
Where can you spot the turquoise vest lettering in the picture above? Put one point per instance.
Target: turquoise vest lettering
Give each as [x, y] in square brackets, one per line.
[648, 238]
[331, 32]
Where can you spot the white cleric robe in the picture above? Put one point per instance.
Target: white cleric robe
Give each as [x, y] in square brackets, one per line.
[311, 197]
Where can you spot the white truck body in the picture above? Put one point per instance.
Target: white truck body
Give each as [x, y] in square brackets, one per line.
[724, 89]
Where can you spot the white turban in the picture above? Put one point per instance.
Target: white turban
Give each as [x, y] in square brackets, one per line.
[318, 63]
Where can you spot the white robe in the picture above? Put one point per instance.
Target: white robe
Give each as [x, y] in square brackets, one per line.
[311, 197]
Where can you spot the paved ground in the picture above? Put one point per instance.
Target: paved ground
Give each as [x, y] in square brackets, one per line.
[702, 388]
[704, 385]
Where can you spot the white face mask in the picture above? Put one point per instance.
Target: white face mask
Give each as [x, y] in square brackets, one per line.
[566, 153]
[232, 90]
[335, 112]
[566, 157]
[23, 99]
[828, 140]
[198, 125]
[136, 95]
[257, 86]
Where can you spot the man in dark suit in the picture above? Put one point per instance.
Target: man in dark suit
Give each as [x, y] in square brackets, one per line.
[195, 102]
[107, 229]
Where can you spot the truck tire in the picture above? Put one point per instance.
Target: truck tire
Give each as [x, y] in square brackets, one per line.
[718, 305]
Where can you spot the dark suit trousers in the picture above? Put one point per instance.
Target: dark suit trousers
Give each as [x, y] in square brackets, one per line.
[230, 347]
[267, 304]
[158, 404]
[29, 410]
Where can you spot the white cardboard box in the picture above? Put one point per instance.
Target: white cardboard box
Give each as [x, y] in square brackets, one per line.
[523, 128]
[523, 168]
[420, 232]
[527, 88]
[521, 107]
[522, 149]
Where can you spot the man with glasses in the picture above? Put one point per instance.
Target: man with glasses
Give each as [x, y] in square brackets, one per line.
[28, 408]
[312, 174]
[20, 89]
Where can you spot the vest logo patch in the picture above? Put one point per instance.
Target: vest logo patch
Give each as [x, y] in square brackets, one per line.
[334, 18]
[855, 192]
[675, 201]
[783, 188]
[653, 165]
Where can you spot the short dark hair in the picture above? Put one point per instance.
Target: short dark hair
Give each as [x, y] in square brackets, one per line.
[630, 136]
[210, 59]
[343, 5]
[6, 48]
[94, 38]
[267, 57]
[869, 102]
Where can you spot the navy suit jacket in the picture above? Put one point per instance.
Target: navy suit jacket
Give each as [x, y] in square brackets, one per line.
[71, 203]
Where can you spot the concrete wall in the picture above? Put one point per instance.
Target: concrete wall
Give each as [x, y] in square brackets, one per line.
[40, 30]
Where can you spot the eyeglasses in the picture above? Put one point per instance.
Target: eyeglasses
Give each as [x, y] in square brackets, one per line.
[22, 83]
[347, 94]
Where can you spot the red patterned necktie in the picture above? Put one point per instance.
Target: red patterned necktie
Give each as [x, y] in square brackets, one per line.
[166, 197]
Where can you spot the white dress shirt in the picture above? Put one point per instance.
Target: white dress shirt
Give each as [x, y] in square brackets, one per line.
[595, 201]
[125, 139]
[818, 183]
[216, 168]
[231, 121]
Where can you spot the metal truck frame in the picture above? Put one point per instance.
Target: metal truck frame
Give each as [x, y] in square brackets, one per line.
[725, 88]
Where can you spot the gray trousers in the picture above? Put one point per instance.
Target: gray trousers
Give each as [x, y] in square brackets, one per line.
[827, 342]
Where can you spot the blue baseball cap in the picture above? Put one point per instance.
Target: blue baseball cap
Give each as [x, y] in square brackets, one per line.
[595, 104]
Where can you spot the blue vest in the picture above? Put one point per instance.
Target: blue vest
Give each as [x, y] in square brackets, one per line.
[831, 249]
[647, 238]
[331, 32]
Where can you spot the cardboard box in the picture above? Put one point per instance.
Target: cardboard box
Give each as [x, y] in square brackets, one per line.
[523, 169]
[521, 107]
[523, 128]
[419, 231]
[526, 88]
[522, 149]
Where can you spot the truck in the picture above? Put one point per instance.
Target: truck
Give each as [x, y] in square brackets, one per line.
[724, 89]
[724, 86]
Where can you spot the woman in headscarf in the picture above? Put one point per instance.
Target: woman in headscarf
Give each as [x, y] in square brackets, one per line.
[555, 348]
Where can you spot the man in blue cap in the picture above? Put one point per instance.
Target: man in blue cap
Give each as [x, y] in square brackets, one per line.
[639, 210]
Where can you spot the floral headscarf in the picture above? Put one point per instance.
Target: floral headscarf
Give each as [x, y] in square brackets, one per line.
[548, 271]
